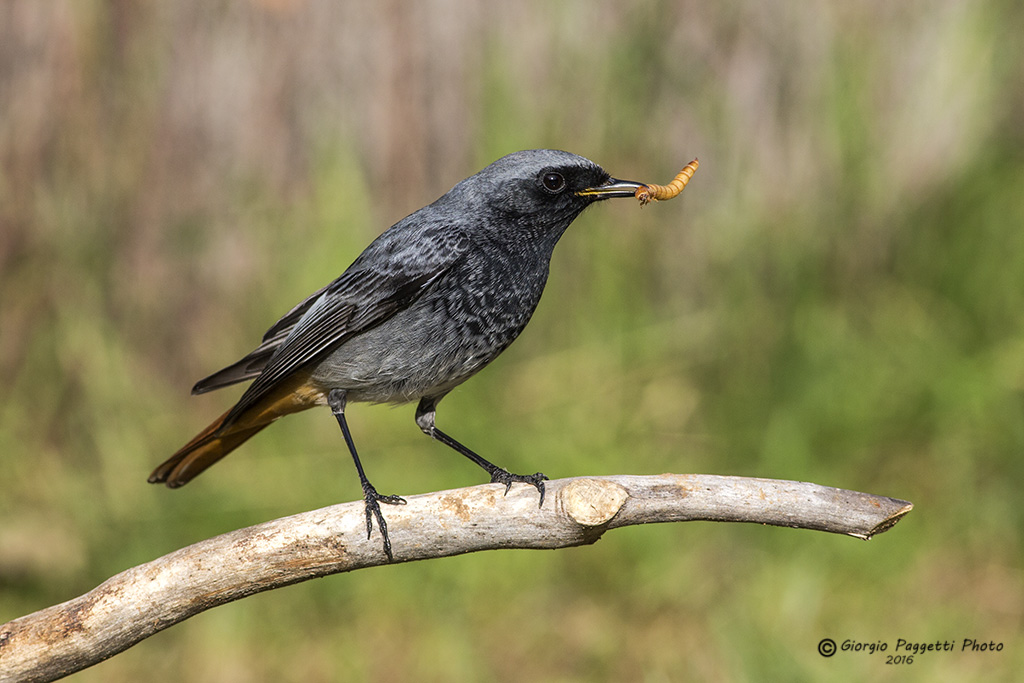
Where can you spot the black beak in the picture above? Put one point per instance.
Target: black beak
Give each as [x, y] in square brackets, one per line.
[611, 188]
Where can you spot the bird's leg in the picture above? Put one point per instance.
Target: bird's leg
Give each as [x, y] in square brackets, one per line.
[425, 413]
[336, 400]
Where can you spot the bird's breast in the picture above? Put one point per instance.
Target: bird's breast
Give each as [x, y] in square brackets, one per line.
[446, 336]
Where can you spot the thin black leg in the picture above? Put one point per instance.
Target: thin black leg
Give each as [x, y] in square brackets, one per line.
[425, 414]
[336, 400]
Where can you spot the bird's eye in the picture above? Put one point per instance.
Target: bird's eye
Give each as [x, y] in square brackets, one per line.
[553, 182]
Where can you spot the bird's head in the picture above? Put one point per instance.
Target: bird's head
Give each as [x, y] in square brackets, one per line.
[540, 190]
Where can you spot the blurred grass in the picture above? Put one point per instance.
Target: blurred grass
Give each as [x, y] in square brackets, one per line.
[836, 298]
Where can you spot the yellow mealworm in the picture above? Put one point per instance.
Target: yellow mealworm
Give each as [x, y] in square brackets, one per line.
[652, 193]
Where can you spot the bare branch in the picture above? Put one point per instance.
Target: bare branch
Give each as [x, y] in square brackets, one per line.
[143, 600]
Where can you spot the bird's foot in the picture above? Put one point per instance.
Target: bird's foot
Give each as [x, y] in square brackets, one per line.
[500, 475]
[373, 501]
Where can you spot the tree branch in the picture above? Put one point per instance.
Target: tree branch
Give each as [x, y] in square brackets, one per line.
[143, 600]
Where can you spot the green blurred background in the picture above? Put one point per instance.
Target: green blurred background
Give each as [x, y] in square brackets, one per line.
[837, 297]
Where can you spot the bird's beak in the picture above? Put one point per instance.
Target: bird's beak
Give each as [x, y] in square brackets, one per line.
[612, 188]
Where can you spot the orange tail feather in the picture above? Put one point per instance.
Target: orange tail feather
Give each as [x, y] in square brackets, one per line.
[219, 439]
[200, 453]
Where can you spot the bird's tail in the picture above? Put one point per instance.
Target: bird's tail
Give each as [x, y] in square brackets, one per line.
[205, 449]
[229, 431]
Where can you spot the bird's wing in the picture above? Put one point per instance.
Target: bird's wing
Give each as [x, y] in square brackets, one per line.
[253, 363]
[384, 280]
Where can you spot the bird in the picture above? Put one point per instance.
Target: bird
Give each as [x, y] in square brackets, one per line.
[428, 304]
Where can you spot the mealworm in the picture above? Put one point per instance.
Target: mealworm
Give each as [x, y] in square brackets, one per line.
[653, 193]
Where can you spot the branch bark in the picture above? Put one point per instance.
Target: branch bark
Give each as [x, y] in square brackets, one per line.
[143, 600]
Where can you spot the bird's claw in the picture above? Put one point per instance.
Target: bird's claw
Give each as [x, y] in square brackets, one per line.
[503, 476]
[373, 501]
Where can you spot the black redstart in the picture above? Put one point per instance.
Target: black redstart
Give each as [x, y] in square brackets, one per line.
[427, 305]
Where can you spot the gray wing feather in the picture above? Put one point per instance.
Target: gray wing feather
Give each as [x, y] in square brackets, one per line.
[394, 271]
[253, 363]
[356, 302]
